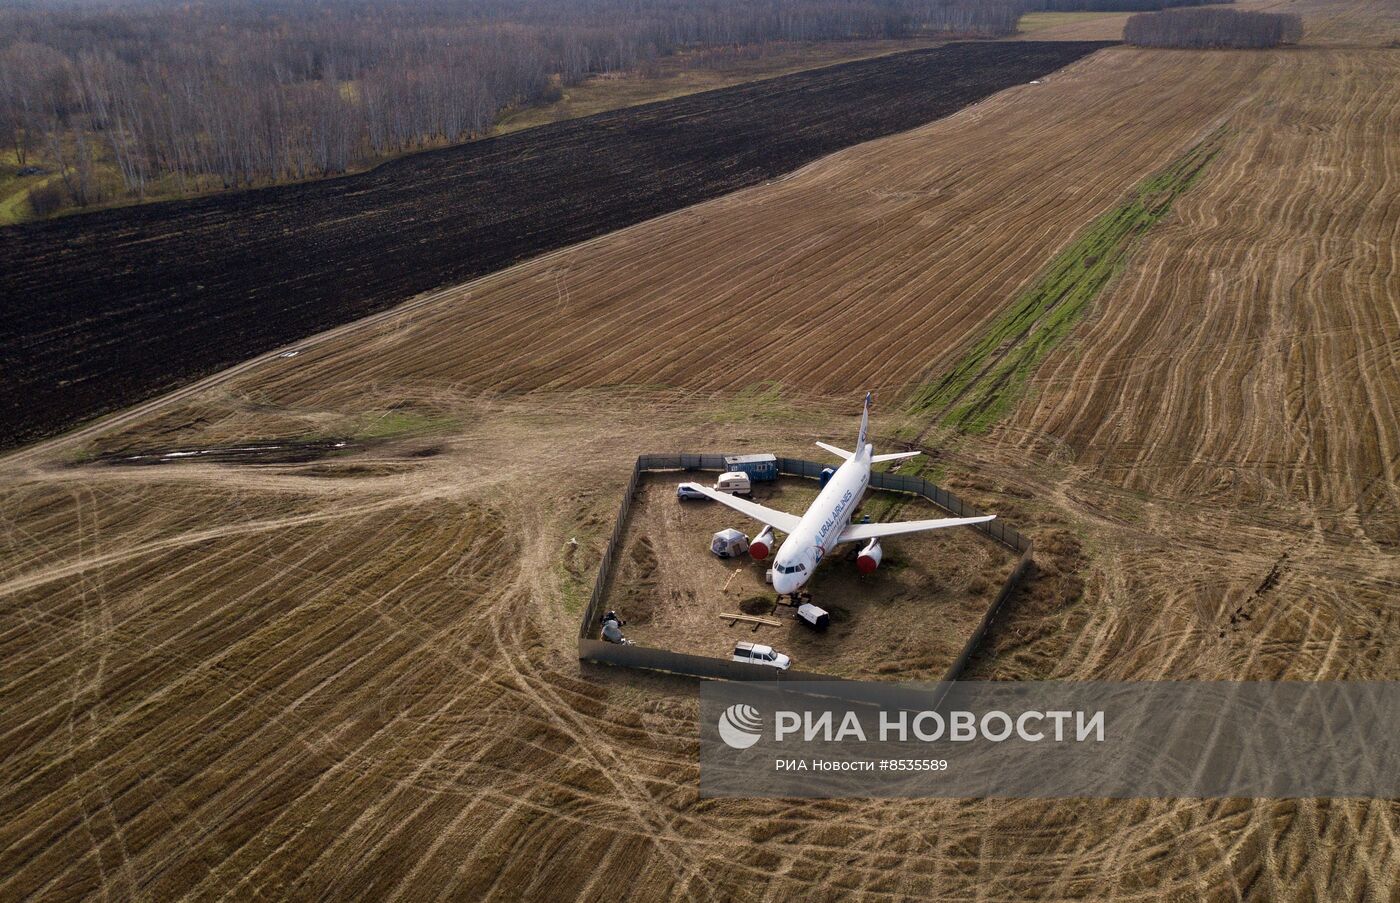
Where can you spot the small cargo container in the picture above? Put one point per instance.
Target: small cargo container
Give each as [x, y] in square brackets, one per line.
[760, 468]
[814, 617]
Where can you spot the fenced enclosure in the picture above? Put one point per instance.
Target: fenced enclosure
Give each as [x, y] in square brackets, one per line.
[593, 649]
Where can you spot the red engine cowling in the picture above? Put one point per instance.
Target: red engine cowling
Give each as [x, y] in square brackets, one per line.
[869, 558]
[761, 544]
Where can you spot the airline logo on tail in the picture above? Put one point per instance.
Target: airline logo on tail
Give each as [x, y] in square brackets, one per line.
[864, 427]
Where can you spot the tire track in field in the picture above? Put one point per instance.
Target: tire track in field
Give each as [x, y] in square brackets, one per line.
[1295, 233]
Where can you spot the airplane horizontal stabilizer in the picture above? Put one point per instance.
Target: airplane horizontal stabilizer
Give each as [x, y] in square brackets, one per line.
[893, 456]
[778, 520]
[838, 452]
[862, 532]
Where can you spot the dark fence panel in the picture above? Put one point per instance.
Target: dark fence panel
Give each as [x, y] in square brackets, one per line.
[592, 614]
[1007, 588]
[590, 648]
[706, 666]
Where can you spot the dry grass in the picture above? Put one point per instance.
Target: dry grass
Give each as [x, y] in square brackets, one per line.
[356, 677]
[1085, 26]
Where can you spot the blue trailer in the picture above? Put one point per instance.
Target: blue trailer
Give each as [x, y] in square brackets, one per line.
[759, 467]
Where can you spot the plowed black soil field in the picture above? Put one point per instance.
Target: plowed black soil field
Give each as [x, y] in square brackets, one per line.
[104, 309]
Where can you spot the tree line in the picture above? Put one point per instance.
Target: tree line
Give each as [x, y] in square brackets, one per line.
[181, 96]
[1205, 28]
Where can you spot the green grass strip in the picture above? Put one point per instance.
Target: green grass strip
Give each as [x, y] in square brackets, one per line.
[991, 377]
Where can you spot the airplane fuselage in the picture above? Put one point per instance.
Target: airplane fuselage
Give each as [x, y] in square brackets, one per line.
[827, 521]
[822, 524]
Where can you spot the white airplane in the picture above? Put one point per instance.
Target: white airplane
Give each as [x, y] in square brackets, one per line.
[827, 523]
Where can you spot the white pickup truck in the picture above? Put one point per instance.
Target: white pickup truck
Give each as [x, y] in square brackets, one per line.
[755, 654]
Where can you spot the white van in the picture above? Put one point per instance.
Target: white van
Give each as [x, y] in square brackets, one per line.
[735, 482]
[761, 655]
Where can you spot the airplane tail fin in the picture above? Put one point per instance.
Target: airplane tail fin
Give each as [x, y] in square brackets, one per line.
[864, 426]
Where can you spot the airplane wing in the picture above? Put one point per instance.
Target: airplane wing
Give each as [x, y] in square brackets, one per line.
[778, 520]
[861, 532]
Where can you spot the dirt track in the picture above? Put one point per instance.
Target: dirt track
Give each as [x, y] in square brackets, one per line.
[105, 309]
[356, 676]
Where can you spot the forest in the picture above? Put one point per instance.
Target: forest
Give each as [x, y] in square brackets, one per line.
[1205, 28]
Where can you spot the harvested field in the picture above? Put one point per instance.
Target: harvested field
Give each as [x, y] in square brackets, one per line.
[1179, 388]
[1328, 22]
[907, 621]
[1240, 380]
[105, 309]
[978, 390]
[232, 680]
[883, 258]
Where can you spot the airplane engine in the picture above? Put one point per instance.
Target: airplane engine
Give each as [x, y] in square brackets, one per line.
[869, 558]
[761, 544]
